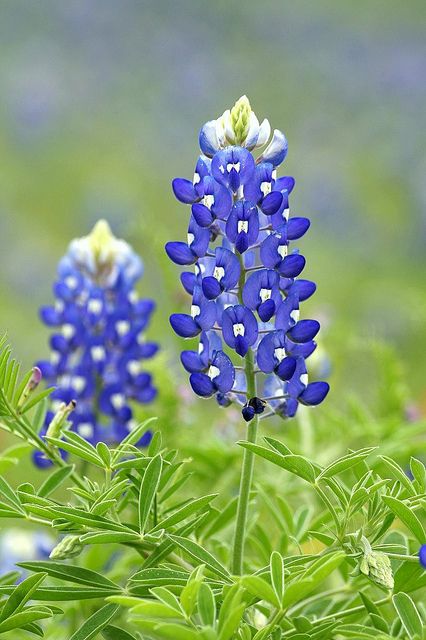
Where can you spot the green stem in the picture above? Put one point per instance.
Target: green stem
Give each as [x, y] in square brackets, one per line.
[246, 474]
[35, 440]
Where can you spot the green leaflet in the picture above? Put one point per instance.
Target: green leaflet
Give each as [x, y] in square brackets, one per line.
[297, 465]
[20, 596]
[148, 489]
[70, 573]
[408, 615]
[201, 555]
[407, 516]
[345, 463]
[95, 623]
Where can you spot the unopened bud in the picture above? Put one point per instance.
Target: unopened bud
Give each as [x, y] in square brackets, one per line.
[31, 385]
[377, 567]
[68, 547]
[55, 427]
[240, 119]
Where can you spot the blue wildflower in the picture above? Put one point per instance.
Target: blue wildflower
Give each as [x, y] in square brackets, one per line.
[245, 288]
[98, 345]
[422, 555]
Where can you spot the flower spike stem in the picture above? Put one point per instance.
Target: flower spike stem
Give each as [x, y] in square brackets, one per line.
[246, 475]
[243, 500]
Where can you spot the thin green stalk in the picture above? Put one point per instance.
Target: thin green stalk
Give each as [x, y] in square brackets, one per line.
[34, 438]
[243, 499]
[248, 456]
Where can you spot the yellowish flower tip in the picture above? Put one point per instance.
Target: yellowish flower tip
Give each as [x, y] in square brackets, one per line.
[101, 241]
[240, 119]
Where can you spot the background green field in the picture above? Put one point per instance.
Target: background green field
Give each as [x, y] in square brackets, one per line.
[101, 106]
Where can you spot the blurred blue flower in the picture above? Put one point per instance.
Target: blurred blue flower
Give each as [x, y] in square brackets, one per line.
[98, 345]
[17, 545]
[422, 555]
[244, 288]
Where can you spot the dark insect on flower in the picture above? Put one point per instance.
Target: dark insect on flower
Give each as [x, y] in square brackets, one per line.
[245, 288]
[98, 342]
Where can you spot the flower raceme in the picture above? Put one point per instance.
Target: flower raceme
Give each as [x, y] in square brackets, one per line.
[98, 344]
[245, 284]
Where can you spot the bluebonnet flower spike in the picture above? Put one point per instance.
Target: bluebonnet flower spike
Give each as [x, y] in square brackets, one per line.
[245, 288]
[98, 342]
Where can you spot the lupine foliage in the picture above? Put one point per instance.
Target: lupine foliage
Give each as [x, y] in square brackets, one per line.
[139, 554]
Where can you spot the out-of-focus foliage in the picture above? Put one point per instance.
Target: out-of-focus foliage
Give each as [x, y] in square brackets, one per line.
[141, 539]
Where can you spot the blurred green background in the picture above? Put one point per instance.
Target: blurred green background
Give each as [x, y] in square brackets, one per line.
[101, 105]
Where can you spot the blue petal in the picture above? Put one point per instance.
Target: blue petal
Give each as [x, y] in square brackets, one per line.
[292, 265]
[211, 288]
[269, 251]
[201, 384]
[266, 310]
[285, 183]
[314, 393]
[241, 242]
[202, 214]
[271, 203]
[286, 368]
[188, 280]
[208, 139]
[241, 345]
[304, 289]
[231, 265]
[184, 190]
[422, 555]
[191, 361]
[226, 378]
[276, 150]
[304, 330]
[297, 227]
[248, 413]
[184, 325]
[265, 353]
[180, 253]
[50, 316]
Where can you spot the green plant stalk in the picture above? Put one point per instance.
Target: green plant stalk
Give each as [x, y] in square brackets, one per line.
[34, 438]
[248, 456]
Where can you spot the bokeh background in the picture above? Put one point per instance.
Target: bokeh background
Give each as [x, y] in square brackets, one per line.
[101, 103]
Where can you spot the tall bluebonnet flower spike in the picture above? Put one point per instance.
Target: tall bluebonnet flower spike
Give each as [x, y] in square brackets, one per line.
[98, 345]
[245, 288]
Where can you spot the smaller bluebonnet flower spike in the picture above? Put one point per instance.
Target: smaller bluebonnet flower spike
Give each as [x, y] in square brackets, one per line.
[98, 345]
[245, 285]
[422, 555]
